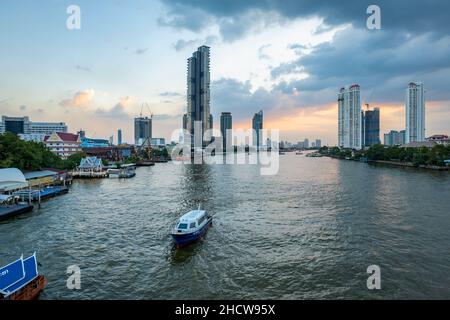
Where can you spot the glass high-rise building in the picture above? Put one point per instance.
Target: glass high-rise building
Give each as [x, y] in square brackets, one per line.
[142, 131]
[415, 112]
[198, 92]
[371, 132]
[257, 125]
[350, 118]
[226, 124]
[119, 137]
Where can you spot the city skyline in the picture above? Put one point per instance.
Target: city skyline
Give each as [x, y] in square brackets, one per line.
[290, 67]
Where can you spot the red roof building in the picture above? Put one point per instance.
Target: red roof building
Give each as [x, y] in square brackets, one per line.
[63, 144]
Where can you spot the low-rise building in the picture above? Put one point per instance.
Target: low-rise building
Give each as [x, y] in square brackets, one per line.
[440, 139]
[23, 125]
[63, 144]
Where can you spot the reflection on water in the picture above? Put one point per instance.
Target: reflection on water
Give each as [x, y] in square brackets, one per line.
[311, 231]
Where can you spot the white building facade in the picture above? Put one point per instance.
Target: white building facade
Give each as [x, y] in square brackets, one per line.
[349, 117]
[415, 112]
[23, 125]
[63, 144]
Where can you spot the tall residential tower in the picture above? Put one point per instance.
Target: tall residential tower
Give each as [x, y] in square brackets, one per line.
[198, 92]
[349, 117]
[257, 125]
[226, 124]
[415, 112]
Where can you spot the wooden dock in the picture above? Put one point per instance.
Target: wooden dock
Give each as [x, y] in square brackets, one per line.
[89, 174]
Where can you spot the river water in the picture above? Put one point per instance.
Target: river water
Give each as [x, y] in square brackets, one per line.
[309, 232]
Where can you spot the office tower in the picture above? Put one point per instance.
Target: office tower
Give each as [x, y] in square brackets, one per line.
[23, 125]
[395, 138]
[198, 92]
[306, 143]
[185, 119]
[257, 125]
[349, 117]
[142, 131]
[415, 112]
[371, 125]
[318, 143]
[226, 124]
[119, 137]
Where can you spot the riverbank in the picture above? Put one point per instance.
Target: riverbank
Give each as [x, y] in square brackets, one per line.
[393, 163]
[408, 165]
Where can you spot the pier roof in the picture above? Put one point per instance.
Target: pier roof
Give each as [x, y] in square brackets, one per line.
[12, 179]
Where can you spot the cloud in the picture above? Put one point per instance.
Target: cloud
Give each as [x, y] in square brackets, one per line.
[141, 51]
[117, 112]
[183, 44]
[235, 18]
[82, 68]
[80, 99]
[170, 94]
[380, 62]
[261, 52]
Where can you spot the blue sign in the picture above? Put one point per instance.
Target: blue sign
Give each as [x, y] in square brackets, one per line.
[11, 274]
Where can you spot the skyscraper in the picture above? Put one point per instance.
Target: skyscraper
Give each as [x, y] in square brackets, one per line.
[371, 132]
[257, 125]
[198, 91]
[415, 112]
[318, 143]
[226, 124]
[394, 138]
[349, 117]
[119, 137]
[142, 131]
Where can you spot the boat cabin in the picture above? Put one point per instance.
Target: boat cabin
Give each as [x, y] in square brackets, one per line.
[192, 221]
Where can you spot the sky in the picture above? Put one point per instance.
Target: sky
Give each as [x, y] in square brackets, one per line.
[286, 57]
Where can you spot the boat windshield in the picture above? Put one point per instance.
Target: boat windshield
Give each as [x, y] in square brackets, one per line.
[182, 226]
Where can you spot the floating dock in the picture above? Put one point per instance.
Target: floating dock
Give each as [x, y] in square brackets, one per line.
[9, 211]
[89, 174]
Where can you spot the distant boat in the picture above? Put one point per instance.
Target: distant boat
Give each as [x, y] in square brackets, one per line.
[20, 280]
[299, 153]
[191, 227]
[127, 171]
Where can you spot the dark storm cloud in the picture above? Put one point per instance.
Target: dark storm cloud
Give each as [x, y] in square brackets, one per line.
[377, 60]
[413, 45]
[231, 95]
[414, 16]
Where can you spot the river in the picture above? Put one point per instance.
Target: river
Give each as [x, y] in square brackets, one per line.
[309, 232]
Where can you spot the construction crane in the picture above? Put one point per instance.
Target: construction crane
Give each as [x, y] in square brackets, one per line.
[145, 149]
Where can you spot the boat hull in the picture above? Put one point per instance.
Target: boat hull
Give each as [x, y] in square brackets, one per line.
[182, 240]
[31, 291]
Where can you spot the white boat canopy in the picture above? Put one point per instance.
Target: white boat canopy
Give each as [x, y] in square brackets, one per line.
[12, 179]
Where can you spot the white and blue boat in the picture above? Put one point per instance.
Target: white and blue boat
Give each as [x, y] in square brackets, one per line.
[20, 280]
[191, 227]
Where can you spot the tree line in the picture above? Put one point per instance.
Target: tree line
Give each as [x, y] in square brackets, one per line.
[29, 155]
[434, 156]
